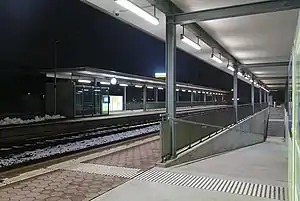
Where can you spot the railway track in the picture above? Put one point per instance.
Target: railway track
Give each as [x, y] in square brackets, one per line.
[63, 144]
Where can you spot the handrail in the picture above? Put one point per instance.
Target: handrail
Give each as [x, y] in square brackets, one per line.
[192, 122]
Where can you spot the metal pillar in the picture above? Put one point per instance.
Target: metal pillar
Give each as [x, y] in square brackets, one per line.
[222, 98]
[252, 96]
[235, 88]
[144, 97]
[260, 96]
[156, 94]
[204, 99]
[265, 97]
[125, 98]
[177, 96]
[192, 98]
[171, 79]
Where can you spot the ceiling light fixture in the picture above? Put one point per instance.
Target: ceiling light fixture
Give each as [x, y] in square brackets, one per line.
[85, 81]
[230, 67]
[138, 86]
[123, 85]
[189, 41]
[105, 83]
[138, 11]
[215, 58]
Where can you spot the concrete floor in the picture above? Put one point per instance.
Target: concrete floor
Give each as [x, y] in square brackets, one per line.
[264, 163]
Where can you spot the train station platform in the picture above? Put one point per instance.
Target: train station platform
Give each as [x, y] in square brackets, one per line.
[128, 172]
[255, 173]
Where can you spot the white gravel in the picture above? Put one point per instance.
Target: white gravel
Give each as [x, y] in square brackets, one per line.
[73, 146]
[14, 121]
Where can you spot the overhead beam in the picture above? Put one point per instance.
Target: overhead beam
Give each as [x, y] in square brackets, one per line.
[169, 8]
[273, 78]
[259, 65]
[236, 11]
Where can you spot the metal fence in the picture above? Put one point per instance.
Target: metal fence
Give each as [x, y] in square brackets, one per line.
[195, 128]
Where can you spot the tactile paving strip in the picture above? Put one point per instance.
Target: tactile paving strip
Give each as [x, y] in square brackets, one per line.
[105, 170]
[221, 185]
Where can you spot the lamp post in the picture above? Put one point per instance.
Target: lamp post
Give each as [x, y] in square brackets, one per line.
[55, 69]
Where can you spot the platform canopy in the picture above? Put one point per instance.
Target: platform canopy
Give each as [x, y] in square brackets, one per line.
[104, 77]
[255, 35]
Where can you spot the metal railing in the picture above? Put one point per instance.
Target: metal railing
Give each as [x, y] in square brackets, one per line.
[196, 128]
[160, 105]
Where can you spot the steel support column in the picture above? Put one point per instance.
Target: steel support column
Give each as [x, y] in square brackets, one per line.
[252, 96]
[192, 97]
[235, 88]
[144, 98]
[260, 96]
[204, 99]
[156, 94]
[125, 98]
[171, 79]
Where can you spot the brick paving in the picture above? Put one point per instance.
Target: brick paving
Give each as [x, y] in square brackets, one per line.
[60, 185]
[143, 156]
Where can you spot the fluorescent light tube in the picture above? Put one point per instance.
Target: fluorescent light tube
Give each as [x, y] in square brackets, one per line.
[190, 42]
[123, 85]
[85, 81]
[231, 68]
[138, 11]
[105, 83]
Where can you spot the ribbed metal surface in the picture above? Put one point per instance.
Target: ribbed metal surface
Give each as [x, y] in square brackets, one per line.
[221, 185]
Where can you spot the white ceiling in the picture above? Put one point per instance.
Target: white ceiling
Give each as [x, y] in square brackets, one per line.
[260, 38]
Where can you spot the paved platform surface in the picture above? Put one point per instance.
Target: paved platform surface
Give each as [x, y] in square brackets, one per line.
[127, 172]
[254, 173]
[143, 157]
[86, 177]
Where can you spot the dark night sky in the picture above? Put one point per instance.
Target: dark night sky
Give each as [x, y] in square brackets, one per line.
[88, 38]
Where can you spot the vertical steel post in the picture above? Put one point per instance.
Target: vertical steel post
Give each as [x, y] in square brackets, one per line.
[260, 96]
[235, 88]
[204, 99]
[144, 98]
[125, 98]
[252, 95]
[178, 97]
[171, 79]
[192, 98]
[156, 94]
